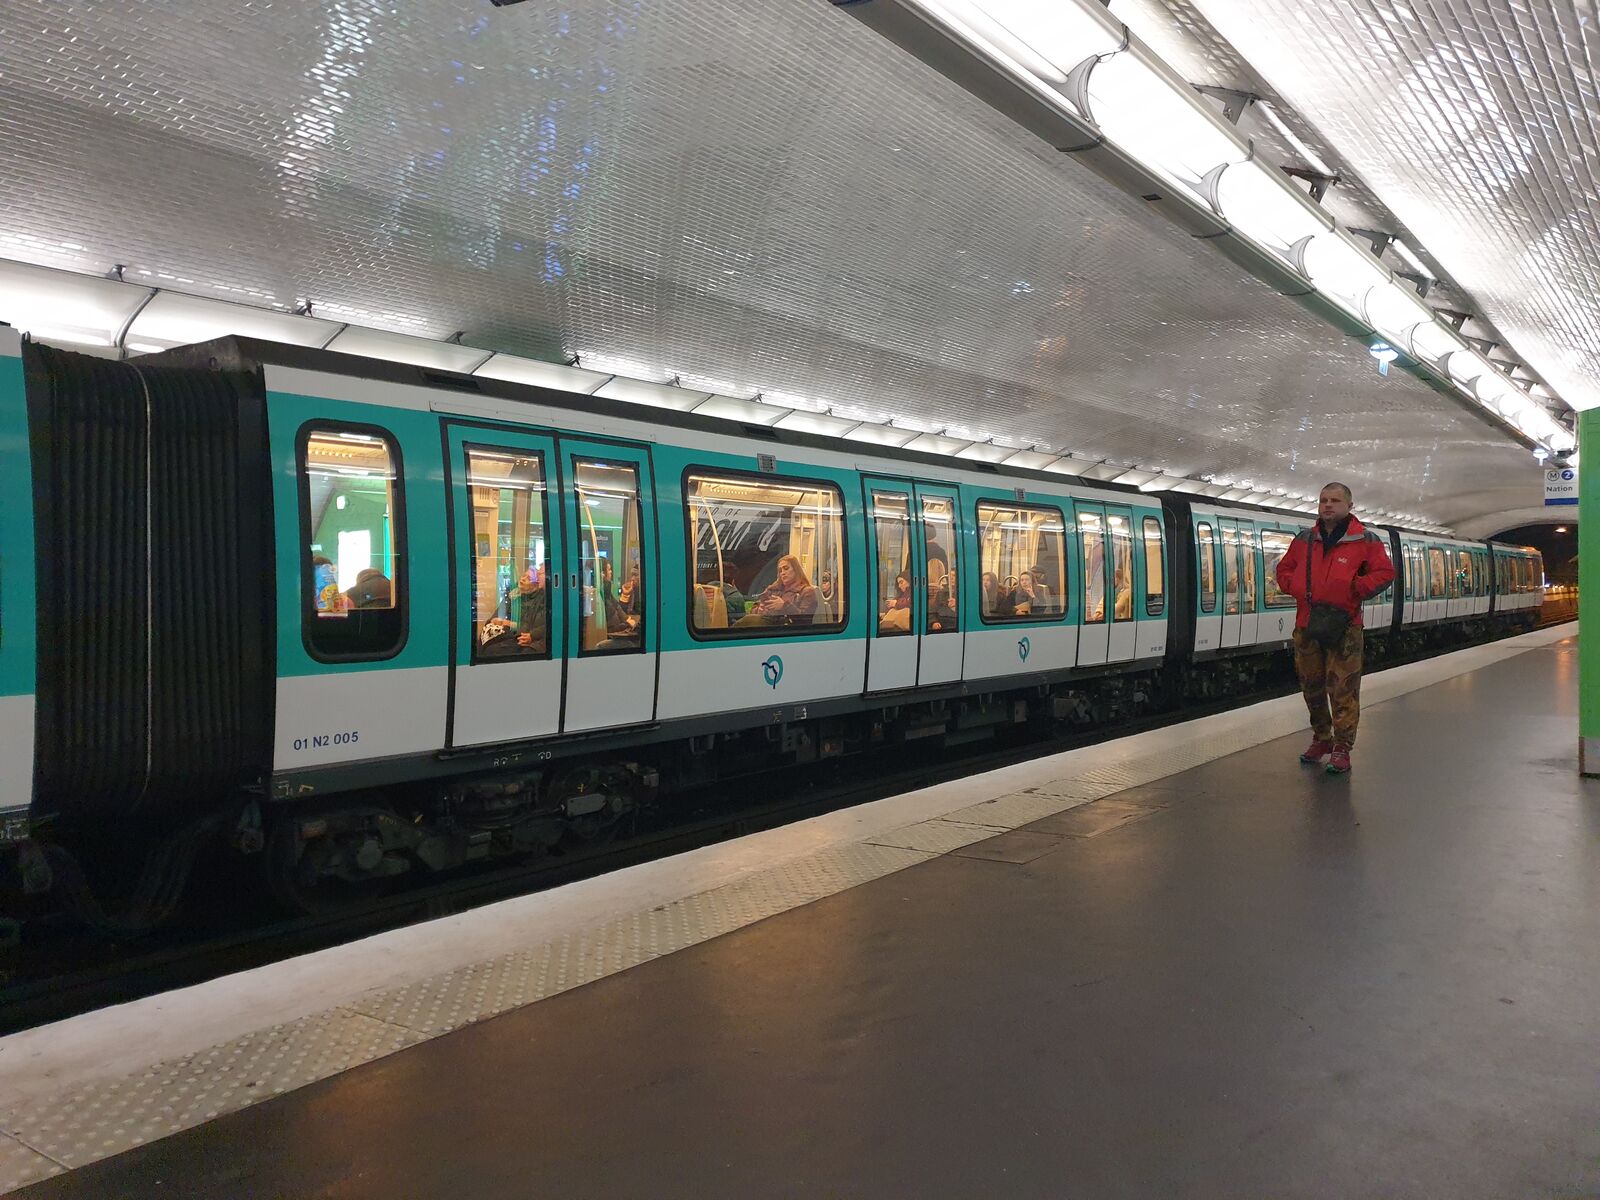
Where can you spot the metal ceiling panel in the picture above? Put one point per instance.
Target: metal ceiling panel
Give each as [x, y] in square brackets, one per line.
[1475, 121]
[762, 192]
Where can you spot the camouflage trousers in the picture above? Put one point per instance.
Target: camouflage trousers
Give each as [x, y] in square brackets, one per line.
[1331, 676]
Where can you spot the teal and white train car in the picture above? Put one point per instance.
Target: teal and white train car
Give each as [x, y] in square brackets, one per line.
[17, 636]
[373, 618]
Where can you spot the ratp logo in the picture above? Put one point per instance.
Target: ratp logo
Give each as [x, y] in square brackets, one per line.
[1024, 648]
[772, 671]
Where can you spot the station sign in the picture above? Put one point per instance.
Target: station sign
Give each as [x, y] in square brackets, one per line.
[1561, 485]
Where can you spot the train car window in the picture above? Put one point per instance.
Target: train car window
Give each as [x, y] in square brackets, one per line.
[352, 521]
[611, 566]
[891, 520]
[1275, 544]
[1021, 563]
[1230, 571]
[1206, 539]
[1092, 541]
[939, 528]
[1463, 574]
[510, 566]
[1436, 583]
[1121, 566]
[768, 554]
[1155, 575]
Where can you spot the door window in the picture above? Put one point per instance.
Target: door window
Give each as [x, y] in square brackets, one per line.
[510, 557]
[1092, 541]
[611, 567]
[1230, 570]
[1121, 566]
[1249, 557]
[939, 530]
[891, 524]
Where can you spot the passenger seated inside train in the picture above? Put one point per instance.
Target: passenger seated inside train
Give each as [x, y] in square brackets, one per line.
[1124, 589]
[371, 589]
[995, 599]
[621, 610]
[519, 625]
[942, 607]
[788, 600]
[896, 614]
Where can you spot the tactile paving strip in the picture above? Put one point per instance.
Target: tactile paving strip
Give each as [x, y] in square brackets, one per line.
[99, 1121]
[20, 1165]
[461, 997]
[106, 1118]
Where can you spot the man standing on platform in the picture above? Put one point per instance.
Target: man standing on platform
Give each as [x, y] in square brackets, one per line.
[1330, 569]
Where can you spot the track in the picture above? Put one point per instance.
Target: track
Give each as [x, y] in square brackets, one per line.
[56, 977]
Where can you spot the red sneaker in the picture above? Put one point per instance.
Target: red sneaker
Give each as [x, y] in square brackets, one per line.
[1339, 760]
[1317, 751]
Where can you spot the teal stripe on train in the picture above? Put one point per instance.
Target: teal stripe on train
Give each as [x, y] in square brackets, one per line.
[18, 618]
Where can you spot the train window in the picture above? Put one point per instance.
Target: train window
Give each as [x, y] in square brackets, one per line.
[1274, 545]
[510, 606]
[1092, 541]
[1021, 563]
[1121, 566]
[891, 520]
[1155, 575]
[769, 554]
[611, 566]
[939, 528]
[1230, 571]
[352, 521]
[1463, 574]
[1207, 542]
[1436, 573]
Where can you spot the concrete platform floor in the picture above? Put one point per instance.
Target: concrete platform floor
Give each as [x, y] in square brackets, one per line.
[1248, 979]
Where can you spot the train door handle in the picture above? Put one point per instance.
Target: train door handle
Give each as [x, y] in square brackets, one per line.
[572, 580]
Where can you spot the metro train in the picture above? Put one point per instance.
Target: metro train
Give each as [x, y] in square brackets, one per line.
[361, 619]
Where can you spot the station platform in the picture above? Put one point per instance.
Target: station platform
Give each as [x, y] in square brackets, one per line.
[1174, 964]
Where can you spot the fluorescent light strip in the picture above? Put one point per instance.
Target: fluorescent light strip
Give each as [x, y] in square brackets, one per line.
[219, 318]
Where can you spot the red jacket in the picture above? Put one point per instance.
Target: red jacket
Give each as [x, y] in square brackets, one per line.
[1359, 567]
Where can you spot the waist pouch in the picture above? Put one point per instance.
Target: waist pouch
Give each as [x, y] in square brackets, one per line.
[1327, 624]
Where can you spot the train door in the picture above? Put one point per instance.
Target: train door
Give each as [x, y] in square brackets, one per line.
[1122, 631]
[1231, 583]
[506, 663]
[893, 636]
[1095, 636]
[1208, 607]
[941, 643]
[1249, 582]
[611, 593]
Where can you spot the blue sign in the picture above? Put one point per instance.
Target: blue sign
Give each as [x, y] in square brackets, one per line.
[772, 671]
[1024, 648]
